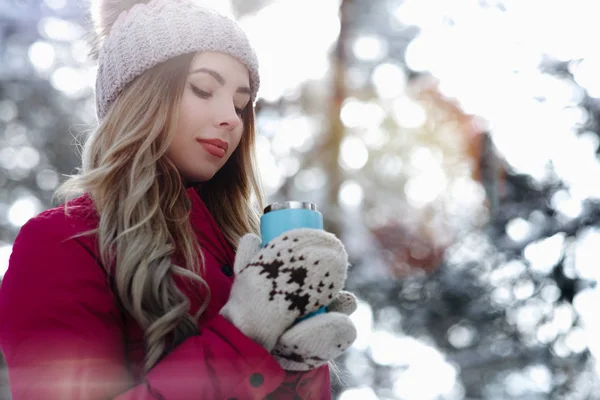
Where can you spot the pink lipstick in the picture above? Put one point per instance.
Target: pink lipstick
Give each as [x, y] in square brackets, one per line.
[215, 147]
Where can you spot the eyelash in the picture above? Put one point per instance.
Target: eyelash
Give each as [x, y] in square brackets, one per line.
[200, 93]
[204, 95]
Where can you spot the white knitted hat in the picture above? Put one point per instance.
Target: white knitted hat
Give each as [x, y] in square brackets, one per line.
[152, 32]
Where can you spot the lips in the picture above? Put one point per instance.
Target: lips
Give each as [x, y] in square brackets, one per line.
[215, 147]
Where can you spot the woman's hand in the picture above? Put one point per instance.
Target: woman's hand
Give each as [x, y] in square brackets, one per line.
[319, 339]
[297, 273]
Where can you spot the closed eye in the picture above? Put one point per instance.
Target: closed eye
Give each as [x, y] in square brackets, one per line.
[205, 95]
[200, 93]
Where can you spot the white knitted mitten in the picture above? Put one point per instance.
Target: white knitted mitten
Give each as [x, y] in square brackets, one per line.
[319, 339]
[295, 274]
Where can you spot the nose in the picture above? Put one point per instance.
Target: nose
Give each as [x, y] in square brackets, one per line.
[228, 118]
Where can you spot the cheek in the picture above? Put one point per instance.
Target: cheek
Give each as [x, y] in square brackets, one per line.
[186, 126]
[192, 114]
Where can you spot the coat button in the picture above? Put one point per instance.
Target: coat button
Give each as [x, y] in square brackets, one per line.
[256, 380]
[227, 271]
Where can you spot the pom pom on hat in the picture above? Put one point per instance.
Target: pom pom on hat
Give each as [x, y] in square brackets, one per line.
[104, 13]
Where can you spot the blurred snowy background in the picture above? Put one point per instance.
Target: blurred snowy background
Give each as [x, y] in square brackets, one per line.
[452, 144]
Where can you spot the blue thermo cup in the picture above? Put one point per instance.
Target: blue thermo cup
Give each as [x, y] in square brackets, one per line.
[283, 216]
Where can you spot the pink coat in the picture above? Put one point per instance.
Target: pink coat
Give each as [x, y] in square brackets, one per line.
[64, 336]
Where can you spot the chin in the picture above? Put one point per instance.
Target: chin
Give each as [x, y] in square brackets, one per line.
[199, 178]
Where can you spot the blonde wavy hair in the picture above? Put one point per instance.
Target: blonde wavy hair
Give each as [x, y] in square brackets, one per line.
[143, 206]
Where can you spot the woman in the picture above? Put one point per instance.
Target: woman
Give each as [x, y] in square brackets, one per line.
[134, 289]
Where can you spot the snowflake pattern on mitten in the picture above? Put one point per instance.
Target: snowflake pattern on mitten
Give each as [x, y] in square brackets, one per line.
[316, 341]
[295, 274]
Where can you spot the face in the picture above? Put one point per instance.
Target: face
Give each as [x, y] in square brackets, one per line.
[210, 123]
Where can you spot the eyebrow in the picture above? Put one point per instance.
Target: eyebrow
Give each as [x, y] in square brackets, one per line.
[219, 78]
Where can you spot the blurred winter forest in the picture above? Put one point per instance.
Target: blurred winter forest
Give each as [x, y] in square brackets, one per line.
[452, 145]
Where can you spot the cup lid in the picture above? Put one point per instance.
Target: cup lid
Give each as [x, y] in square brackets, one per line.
[284, 205]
